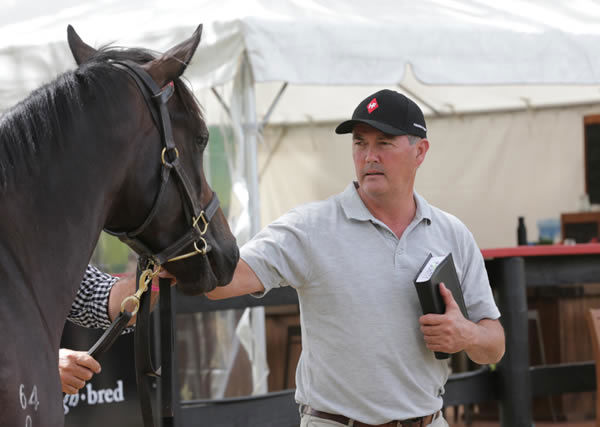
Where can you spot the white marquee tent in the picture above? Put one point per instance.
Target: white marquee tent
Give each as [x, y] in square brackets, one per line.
[504, 85]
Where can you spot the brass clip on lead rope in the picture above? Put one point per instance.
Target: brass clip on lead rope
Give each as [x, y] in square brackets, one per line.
[145, 279]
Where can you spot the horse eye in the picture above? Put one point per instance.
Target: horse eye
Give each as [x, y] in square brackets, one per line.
[202, 140]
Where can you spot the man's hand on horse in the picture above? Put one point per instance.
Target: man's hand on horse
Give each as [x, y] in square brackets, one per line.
[75, 368]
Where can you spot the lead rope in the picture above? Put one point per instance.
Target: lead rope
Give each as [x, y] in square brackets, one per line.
[169, 386]
[145, 372]
[124, 317]
[144, 368]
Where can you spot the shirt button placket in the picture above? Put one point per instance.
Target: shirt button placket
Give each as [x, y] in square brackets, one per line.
[399, 254]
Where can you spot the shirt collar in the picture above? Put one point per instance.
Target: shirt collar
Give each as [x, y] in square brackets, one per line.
[354, 208]
[423, 209]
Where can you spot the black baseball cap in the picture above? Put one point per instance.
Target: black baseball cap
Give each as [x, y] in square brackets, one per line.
[390, 112]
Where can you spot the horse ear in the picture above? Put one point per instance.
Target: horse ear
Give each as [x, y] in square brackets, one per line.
[172, 63]
[80, 50]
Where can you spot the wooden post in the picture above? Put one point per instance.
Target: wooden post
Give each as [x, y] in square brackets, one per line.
[507, 276]
[593, 319]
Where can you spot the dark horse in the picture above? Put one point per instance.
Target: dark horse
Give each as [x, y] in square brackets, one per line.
[80, 154]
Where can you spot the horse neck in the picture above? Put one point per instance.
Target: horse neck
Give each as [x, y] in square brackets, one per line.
[50, 221]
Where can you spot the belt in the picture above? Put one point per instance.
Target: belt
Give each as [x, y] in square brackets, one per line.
[412, 422]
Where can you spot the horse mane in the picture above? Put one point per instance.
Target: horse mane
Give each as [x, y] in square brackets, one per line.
[42, 121]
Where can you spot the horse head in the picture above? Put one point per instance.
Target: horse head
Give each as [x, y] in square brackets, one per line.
[164, 207]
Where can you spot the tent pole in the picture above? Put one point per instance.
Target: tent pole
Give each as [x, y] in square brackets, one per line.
[419, 99]
[221, 101]
[251, 129]
[265, 120]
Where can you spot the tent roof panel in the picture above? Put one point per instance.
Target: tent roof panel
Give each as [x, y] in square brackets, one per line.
[464, 55]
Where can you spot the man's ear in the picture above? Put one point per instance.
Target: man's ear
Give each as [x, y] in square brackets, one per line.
[422, 148]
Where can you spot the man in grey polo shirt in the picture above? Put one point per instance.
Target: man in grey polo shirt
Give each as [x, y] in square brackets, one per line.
[367, 350]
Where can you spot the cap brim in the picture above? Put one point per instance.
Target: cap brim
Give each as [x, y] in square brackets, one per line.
[348, 125]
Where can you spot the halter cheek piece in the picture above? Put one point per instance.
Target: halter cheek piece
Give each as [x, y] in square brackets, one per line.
[199, 218]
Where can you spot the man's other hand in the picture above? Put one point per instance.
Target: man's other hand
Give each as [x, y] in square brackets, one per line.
[75, 368]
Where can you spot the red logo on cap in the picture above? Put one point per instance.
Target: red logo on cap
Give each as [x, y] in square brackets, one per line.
[372, 106]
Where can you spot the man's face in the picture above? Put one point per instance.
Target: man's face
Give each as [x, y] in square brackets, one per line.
[385, 164]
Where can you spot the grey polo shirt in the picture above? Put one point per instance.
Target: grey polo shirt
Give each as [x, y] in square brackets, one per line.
[363, 354]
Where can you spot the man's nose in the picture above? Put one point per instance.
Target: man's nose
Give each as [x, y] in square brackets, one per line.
[371, 154]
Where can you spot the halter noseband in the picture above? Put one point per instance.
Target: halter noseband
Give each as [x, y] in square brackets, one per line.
[157, 99]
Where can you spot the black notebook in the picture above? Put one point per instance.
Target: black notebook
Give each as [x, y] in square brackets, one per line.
[433, 271]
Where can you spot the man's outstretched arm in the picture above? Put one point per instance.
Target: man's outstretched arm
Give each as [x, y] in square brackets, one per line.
[244, 281]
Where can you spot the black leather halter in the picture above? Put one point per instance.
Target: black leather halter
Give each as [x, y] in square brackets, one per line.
[149, 263]
[157, 99]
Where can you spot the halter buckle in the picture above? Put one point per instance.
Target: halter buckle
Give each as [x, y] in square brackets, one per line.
[195, 223]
